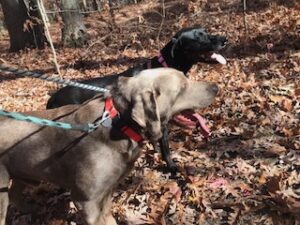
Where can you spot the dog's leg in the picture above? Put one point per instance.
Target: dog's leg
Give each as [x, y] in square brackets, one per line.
[97, 212]
[111, 220]
[4, 201]
[89, 210]
[165, 151]
[16, 197]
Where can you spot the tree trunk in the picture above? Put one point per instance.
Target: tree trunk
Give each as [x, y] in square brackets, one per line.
[97, 5]
[23, 30]
[74, 31]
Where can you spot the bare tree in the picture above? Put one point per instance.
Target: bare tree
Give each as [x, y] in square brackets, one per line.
[22, 22]
[74, 30]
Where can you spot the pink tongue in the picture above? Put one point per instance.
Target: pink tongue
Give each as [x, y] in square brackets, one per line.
[219, 58]
[189, 119]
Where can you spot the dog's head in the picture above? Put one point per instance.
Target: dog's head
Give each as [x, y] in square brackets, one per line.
[154, 96]
[196, 45]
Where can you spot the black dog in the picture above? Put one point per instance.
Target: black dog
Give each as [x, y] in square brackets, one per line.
[188, 47]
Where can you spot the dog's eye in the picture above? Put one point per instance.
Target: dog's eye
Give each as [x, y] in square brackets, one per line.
[157, 93]
[198, 33]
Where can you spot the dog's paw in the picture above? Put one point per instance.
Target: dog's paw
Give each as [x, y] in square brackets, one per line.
[172, 168]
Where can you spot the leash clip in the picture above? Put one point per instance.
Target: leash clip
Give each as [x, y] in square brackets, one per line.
[106, 119]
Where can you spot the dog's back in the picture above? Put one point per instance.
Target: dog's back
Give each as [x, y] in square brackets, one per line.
[12, 132]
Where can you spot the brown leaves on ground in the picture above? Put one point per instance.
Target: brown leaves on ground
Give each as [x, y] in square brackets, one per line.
[248, 173]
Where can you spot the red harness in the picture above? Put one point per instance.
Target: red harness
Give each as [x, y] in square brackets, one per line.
[128, 131]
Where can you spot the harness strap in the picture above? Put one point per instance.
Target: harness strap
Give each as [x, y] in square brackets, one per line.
[109, 107]
[127, 130]
[132, 134]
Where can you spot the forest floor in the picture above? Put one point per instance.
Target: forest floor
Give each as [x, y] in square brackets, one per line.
[249, 171]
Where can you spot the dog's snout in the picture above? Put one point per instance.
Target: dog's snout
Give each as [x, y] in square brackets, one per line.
[214, 88]
[224, 40]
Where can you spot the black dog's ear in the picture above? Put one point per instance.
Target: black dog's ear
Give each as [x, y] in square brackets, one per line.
[174, 41]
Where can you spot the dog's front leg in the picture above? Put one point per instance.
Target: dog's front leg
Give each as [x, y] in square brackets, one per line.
[16, 197]
[4, 201]
[165, 150]
[97, 211]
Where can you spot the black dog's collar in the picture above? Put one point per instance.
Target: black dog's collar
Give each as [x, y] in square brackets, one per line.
[118, 122]
[160, 59]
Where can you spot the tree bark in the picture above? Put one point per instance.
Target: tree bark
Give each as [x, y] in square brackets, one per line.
[96, 5]
[23, 26]
[74, 31]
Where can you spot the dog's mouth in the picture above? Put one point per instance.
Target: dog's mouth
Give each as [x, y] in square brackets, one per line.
[218, 58]
[215, 57]
[190, 119]
[212, 57]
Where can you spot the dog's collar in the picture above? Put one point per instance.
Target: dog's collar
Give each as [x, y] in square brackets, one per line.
[122, 125]
[109, 107]
[160, 59]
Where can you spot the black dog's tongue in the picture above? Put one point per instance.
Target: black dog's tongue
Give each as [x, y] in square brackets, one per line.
[191, 119]
[219, 58]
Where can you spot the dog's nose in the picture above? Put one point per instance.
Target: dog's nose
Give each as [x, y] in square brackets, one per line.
[215, 88]
[225, 40]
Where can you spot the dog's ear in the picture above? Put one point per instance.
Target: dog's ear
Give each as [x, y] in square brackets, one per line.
[145, 113]
[174, 41]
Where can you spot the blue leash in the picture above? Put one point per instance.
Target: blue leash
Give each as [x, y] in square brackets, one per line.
[88, 127]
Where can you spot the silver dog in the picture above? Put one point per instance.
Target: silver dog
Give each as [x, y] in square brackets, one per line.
[91, 165]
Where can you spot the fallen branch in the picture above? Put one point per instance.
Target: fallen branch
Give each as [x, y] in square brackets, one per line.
[162, 21]
[245, 19]
[46, 23]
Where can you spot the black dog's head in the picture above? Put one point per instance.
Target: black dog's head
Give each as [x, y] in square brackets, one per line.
[192, 45]
[197, 42]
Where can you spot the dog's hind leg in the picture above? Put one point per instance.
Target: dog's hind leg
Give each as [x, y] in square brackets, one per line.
[4, 200]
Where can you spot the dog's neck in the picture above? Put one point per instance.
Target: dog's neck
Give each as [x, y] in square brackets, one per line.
[126, 128]
[93, 110]
[178, 62]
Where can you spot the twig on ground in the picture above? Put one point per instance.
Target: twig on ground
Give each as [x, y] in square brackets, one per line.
[2, 60]
[46, 23]
[245, 19]
[162, 21]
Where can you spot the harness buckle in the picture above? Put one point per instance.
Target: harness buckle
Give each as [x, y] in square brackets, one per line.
[107, 120]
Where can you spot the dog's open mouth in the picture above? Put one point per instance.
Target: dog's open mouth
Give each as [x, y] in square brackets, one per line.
[191, 119]
[213, 57]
